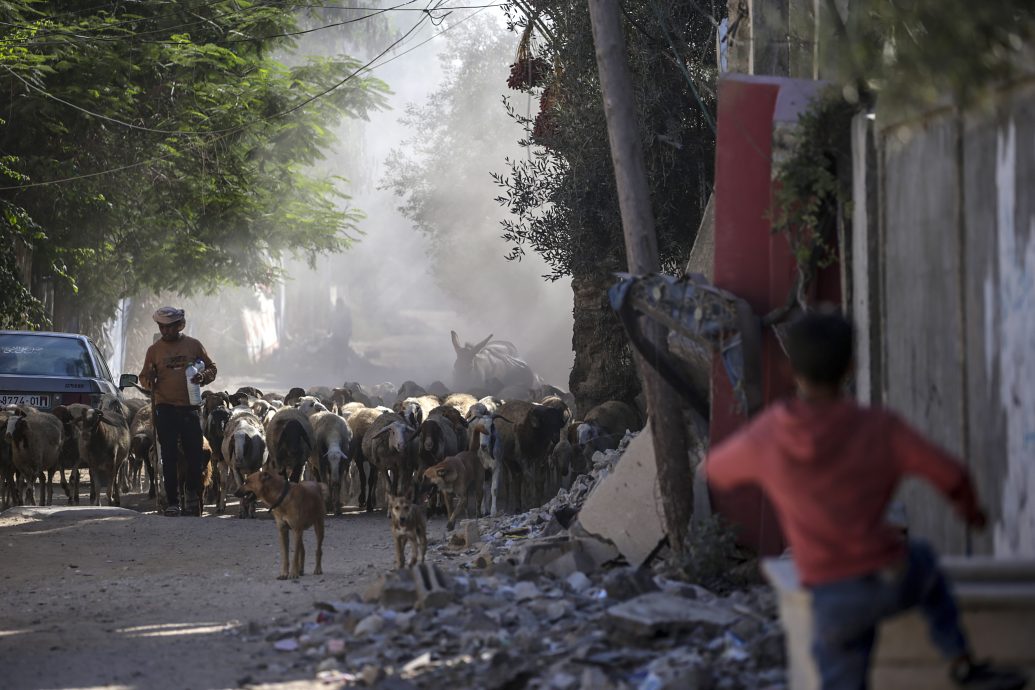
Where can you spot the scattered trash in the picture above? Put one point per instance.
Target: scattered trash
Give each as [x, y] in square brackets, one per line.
[535, 601]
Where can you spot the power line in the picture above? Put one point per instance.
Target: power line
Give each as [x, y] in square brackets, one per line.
[369, 66]
[135, 37]
[181, 132]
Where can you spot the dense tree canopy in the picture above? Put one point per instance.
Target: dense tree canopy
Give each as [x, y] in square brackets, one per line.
[166, 146]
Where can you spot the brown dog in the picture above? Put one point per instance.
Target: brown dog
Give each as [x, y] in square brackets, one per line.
[455, 477]
[295, 507]
[408, 525]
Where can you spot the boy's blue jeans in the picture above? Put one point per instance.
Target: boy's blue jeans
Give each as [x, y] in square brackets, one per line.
[846, 614]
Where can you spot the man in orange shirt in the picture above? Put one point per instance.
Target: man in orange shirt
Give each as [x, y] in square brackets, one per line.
[177, 421]
[830, 468]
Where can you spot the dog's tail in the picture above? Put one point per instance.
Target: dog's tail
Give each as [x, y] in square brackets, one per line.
[325, 491]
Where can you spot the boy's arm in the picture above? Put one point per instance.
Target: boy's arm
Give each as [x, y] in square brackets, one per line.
[918, 456]
[733, 462]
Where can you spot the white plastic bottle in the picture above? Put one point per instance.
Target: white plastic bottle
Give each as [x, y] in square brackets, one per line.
[194, 389]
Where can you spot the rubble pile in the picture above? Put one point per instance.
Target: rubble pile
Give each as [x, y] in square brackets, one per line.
[535, 601]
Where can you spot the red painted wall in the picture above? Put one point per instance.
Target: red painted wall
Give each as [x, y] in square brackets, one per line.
[753, 263]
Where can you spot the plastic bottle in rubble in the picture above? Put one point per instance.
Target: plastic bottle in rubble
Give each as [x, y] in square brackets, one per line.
[194, 389]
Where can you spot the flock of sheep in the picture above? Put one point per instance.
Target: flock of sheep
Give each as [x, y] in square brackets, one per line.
[522, 442]
[525, 449]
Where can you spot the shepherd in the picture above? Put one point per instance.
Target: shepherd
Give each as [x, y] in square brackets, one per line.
[177, 421]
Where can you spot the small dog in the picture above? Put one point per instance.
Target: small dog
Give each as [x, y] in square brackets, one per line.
[295, 507]
[408, 525]
[455, 477]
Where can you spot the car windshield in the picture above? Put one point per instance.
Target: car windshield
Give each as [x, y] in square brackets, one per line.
[41, 355]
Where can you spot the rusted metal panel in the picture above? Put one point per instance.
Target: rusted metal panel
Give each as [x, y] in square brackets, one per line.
[922, 311]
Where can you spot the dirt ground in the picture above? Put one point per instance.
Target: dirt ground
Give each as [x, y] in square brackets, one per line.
[132, 599]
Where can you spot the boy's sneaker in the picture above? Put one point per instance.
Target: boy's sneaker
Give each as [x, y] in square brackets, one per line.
[985, 676]
[172, 511]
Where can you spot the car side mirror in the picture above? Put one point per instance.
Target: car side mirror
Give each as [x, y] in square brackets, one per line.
[127, 381]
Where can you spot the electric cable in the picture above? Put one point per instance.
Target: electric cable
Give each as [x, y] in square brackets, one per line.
[369, 66]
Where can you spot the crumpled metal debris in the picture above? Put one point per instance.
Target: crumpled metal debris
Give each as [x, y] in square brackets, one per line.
[701, 320]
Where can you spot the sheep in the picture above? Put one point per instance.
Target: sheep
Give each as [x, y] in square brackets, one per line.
[294, 395]
[330, 459]
[243, 452]
[487, 405]
[388, 446]
[142, 449]
[8, 484]
[289, 442]
[35, 440]
[321, 393]
[409, 389]
[264, 409]
[528, 432]
[461, 401]
[359, 422]
[348, 409]
[442, 434]
[103, 443]
[310, 404]
[484, 438]
[415, 409]
[612, 418]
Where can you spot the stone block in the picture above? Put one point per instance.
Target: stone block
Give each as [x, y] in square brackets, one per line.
[624, 507]
[395, 590]
[432, 588]
[996, 599]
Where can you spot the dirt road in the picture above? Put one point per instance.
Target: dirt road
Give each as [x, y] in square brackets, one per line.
[124, 599]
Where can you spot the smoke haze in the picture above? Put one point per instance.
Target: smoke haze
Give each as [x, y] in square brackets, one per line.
[397, 293]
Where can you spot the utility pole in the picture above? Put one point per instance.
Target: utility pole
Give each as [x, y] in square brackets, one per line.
[675, 478]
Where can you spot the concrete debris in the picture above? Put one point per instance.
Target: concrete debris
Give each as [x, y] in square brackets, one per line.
[535, 601]
[658, 612]
[623, 508]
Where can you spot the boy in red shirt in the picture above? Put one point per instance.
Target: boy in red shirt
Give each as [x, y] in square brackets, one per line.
[830, 468]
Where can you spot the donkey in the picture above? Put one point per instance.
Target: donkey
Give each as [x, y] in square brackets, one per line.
[490, 365]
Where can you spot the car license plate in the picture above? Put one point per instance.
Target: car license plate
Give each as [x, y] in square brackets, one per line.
[34, 399]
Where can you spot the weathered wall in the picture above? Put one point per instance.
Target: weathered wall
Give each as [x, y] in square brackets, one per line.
[1001, 308]
[921, 311]
[954, 227]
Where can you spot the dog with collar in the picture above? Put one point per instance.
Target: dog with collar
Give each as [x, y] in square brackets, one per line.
[296, 508]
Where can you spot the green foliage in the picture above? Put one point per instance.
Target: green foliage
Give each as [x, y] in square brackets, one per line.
[920, 52]
[562, 194]
[187, 149]
[710, 555]
[811, 187]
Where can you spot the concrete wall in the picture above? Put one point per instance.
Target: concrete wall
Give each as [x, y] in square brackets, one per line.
[955, 231]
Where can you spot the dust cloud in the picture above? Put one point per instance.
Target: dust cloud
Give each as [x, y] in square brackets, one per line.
[383, 310]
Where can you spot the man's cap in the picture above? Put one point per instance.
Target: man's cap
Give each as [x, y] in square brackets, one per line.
[167, 315]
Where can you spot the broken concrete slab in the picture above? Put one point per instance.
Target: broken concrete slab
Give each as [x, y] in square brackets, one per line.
[625, 508]
[658, 612]
[563, 555]
[431, 586]
[395, 589]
